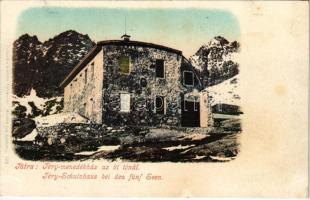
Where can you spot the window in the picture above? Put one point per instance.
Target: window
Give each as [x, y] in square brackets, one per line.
[160, 105]
[219, 107]
[191, 105]
[125, 102]
[143, 82]
[160, 68]
[85, 76]
[188, 78]
[84, 109]
[92, 69]
[124, 65]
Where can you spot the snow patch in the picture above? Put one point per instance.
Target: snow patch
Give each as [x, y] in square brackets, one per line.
[199, 157]
[52, 120]
[196, 62]
[39, 102]
[32, 97]
[102, 148]
[226, 92]
[232, 56]
[178, 147]
[221, 158]
[30, 137]
[214, 42]
[196, 136]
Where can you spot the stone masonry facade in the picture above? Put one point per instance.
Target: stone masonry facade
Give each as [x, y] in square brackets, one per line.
[96, 87]
[83, 94]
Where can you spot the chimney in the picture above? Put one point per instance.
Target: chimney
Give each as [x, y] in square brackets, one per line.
[126, 37]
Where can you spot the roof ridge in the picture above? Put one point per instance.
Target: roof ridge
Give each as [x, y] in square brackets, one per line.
[139, 43]
[99, 44]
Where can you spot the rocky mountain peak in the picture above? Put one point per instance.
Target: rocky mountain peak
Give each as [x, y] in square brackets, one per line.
[27, 41]
[42, 66]
[69, 36]
[27, 37]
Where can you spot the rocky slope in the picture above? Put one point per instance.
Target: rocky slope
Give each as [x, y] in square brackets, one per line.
[216, 60]
[138, 144]
[31, 106]
[42, 65]
[227, 92]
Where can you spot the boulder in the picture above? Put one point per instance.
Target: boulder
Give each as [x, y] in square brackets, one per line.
[22, 127]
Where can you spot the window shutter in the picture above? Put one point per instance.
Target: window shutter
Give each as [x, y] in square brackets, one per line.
[125, 102]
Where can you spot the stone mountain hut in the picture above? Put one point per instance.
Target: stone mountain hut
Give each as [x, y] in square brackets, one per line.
[124, 82]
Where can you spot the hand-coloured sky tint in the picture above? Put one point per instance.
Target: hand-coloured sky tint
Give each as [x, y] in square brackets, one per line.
[183, 29]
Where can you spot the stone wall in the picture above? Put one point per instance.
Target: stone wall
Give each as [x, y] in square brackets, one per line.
[142, 65]
[85, 96]
[206, 119]
[99, 97]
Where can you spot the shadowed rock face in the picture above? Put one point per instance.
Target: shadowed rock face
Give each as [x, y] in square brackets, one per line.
[23, 127]
[43, 65]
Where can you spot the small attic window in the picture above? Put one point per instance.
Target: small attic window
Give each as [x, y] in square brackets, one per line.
[188, 78]
[124, 65]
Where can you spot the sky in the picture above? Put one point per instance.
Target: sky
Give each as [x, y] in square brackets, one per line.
[182, 29]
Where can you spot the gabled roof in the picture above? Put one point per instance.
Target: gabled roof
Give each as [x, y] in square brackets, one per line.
[93, 52]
